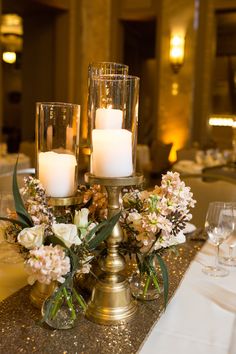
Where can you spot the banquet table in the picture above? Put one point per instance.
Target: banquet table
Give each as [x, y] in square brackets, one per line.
[200, 317]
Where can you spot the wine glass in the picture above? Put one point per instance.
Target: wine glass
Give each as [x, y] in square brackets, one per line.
[230, 259]
[219, 225]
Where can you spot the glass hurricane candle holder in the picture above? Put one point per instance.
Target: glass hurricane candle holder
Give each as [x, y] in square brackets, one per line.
[97, 69]
[114, 116]
[106, 68]
[57, 147]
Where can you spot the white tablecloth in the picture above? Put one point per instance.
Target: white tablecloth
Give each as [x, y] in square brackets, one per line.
[200, 318]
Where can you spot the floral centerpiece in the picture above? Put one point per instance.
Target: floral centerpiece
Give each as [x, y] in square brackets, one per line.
[54, 252]
[152, 222]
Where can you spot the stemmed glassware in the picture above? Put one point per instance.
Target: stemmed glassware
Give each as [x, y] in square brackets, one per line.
[230, 259]
[219, 225]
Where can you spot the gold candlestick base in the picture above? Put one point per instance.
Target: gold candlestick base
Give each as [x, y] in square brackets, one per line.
[111, 300]
[66, 201]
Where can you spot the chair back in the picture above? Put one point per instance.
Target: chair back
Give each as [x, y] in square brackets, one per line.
[160, 156]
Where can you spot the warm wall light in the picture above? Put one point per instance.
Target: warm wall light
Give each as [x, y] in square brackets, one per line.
[11, 36]
[221, 120]
[177, 43]
[9, 57]
[174, 88]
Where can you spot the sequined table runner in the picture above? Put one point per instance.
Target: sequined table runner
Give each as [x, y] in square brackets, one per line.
[22, 333]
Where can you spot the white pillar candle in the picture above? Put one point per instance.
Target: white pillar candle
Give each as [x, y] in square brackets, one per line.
[108, 118]
[112, 153]
[57, 173]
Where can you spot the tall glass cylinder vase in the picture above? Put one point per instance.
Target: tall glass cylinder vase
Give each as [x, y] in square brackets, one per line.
[106, 68]
[57, 147]
[97, 69]
[114, 116]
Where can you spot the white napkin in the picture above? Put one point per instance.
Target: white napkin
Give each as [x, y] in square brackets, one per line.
[189, 228]
[222, 297]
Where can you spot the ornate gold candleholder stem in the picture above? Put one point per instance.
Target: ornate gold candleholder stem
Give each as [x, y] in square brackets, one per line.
[111, 300]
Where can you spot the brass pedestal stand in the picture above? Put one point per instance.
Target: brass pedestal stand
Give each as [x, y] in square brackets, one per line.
[66, 201]
[111, 300]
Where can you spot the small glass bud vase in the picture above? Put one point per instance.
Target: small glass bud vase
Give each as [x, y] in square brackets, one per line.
[144, 283]
[143, 288]
[64, 307]
[57, 147]
[61, 316]
[114, 115]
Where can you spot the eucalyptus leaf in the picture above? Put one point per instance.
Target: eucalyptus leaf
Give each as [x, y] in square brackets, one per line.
[74, 261]
[105, 232]
[165, 277]
[91, 233]
[19, 205]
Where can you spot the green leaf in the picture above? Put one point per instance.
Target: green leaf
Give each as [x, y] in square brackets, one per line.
[104, 233]
[54, 240]
[91, 233]
[165, 277]
[14, 221]
[155, 281]
[19, 205]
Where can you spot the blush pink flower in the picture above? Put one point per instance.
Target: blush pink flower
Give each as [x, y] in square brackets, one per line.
[47, 264]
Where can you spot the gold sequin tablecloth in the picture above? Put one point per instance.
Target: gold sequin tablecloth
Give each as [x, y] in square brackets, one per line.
[22, 333]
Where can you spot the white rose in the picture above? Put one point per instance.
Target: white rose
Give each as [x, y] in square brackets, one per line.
[81, 218]
[67, 233]
[31, 237]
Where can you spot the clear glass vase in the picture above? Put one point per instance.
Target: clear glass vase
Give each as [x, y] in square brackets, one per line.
[63, 308]
[143, 288]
